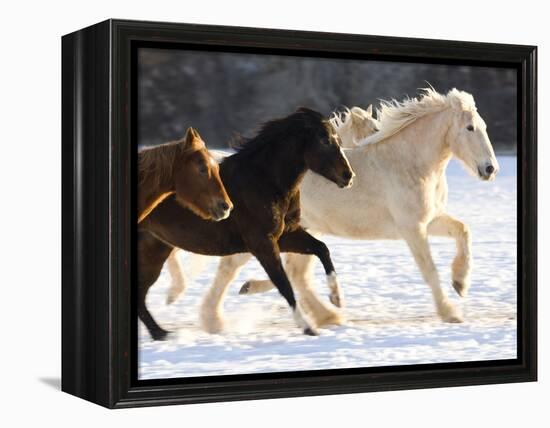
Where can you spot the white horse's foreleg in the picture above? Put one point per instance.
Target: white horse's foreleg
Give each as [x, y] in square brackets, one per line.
[299, 268]
[177, 286]
[445, 225]
[417, 240]
[211, 312]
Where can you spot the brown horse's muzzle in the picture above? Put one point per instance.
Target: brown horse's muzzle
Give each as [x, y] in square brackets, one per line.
[221, 210]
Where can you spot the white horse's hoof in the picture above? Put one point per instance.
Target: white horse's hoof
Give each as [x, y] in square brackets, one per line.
[303, 323]
[310, 331]
[212, 323]
[336, 300]
[329, 318]
[245, 289]
[461, 288]
[449, 313]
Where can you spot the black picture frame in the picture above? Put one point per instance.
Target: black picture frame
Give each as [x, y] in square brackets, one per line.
[98, 155]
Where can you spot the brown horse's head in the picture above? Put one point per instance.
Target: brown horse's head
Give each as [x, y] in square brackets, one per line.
[323, 153]
[197, 182]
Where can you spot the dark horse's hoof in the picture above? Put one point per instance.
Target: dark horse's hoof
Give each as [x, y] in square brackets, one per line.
[160, 335]
[310, 331]
[245, 288]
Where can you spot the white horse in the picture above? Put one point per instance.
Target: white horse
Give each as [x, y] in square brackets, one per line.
[400, 192]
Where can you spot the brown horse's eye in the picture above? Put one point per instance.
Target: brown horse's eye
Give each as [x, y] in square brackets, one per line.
[470, 127]
[202, 168]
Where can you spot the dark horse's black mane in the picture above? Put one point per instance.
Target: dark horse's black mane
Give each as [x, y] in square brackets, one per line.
[301, 123]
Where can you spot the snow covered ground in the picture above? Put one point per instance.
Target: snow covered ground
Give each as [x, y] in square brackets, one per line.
[393, 321]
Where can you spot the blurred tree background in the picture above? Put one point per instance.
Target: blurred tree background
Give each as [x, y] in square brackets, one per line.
[223, 94]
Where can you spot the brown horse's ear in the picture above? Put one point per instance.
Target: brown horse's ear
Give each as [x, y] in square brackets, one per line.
[196, 134]
[189, 136]
[193, 139]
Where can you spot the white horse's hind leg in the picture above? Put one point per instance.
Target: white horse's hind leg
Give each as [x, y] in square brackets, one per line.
[211, 312]
[445, 225]
[253, 286]
[417, 241]
[177, 286]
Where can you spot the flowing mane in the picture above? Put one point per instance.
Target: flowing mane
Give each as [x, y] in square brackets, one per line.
[155, 163]
[395, 115]
[339, 118]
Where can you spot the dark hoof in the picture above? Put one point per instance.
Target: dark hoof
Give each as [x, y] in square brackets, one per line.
[459, 288]
[160, 335]
[310, 332]
[245, 288]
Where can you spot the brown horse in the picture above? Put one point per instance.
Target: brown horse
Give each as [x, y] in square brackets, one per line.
[186, 168]
[262, 179]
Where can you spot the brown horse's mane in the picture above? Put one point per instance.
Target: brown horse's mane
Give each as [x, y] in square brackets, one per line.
[156, 164]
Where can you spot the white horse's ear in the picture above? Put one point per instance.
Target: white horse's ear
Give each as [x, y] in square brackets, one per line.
[369, 110]
[357, 113]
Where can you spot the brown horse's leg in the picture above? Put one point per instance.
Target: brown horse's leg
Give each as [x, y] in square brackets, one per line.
[151, 256]
[268, 255]
[300, 241]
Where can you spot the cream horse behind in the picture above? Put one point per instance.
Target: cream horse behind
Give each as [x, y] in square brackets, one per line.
[399, 192]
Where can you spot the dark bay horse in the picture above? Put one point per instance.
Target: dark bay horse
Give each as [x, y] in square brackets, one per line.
[262, 179]
[184, 168]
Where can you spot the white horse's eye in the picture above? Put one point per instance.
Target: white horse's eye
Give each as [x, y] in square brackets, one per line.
[470, 127]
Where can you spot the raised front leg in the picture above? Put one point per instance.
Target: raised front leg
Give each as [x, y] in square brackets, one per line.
[269, 257]
[448, 226]
[300, 241]
[417, 240]
[212, 306]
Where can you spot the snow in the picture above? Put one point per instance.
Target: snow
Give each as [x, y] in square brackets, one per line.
[391, 316]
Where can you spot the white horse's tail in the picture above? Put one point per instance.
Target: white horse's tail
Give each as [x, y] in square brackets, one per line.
[195, 264]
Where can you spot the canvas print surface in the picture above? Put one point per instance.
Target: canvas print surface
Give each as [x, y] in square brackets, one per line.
[300, 213]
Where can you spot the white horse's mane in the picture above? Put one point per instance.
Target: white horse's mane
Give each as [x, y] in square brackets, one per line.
[338, 118]
[395, 115]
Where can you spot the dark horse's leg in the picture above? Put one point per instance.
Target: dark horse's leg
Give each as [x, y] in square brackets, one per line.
[152, 254]
[267, 253]
[300, 241]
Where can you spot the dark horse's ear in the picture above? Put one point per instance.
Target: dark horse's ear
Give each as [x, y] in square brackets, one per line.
[312, 114]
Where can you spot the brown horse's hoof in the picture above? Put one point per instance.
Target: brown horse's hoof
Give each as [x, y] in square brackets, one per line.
[245, 288]
[161, 334]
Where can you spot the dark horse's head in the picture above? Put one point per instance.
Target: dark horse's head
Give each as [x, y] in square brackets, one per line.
[322, 151]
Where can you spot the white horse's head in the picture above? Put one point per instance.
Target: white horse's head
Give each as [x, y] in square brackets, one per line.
[354, 125]
[468, 137]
